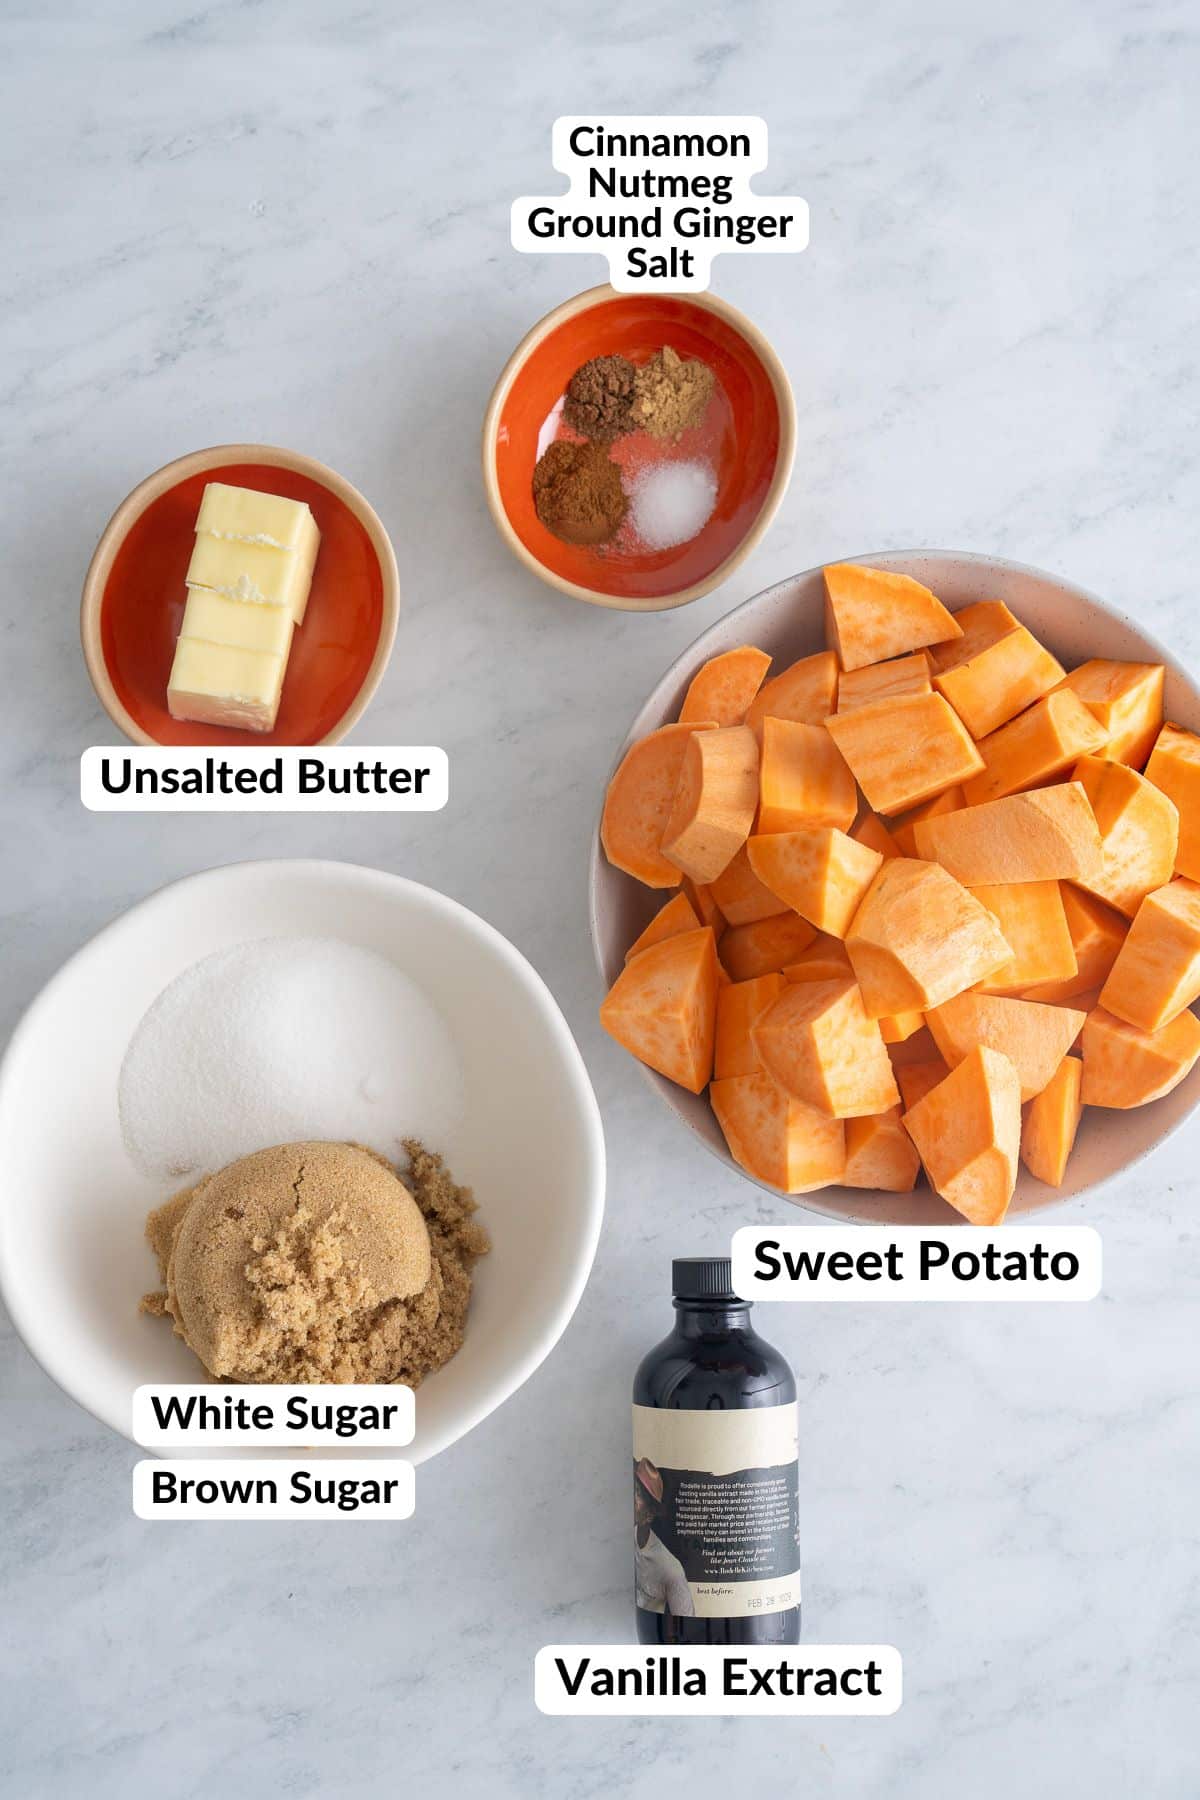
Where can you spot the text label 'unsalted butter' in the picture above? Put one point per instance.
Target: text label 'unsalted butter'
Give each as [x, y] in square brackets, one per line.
[879, 1262]
[405, 778]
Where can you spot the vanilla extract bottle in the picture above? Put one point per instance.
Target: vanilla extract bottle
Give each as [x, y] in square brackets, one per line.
[716, 1496]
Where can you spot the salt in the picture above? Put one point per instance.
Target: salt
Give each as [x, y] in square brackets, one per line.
[671, 501]
[280, 1040]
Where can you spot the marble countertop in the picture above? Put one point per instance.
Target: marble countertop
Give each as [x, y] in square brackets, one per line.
[290, 222]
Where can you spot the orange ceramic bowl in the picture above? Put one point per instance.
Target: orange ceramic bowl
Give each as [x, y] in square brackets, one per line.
[134, 595]
[748, 435]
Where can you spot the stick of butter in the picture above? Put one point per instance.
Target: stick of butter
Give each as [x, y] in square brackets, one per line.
[219, 620]
[253, 518]
[257, 573]
[221, 684]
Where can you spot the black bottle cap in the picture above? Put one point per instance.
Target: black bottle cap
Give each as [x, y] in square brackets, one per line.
[702, 1278]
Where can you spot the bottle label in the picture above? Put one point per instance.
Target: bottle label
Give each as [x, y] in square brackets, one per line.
[716, 1511]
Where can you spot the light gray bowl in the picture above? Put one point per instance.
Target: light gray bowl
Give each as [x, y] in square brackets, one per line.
[787, 621]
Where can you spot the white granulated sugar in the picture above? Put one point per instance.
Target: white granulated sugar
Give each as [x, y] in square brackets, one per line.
[279, 1040]
[671, 502]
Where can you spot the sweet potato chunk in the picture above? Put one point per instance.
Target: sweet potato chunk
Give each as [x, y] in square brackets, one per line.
[1097, 933]
[1034, 1037]
[869, 829]
[880, 1154]
[897, 1028]
[1124, 1066]
[741, 896]
[738, 1006]
[669, 921]
[1050, 835]
[821, 873]
[765, 946]
[871, 615]
[824, 960]
[968, 1133]
[1139, 832]
[916, 1078]
[715, 802]
[806, 693]
[1174, 767]
[1157, 970]
[803, 779]
[777, 1139]
[819, 1045]
[638, 804]
[1051, 1121]
[1031, 749]
[1033, 918]
[1126, 700]
[723, 689]
[904, 829]
[663, 1007]
[703, 905]
[885, 681]
[995, 670]
[903, 751]
[919, 937]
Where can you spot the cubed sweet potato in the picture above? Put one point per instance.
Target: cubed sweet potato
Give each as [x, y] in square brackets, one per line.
[880, 1154]
[824, 960]
[904, 751]
[1124, 1066]
[765, 946]
[1174, 767]
[638, 804]
[821, 873]
[663, 1007]
[669, 921]
[920, 937]
[803, 779]
[904, 829]
[869, 829]
[968, 1134]
[741, 896]
[1050, 835]
[1097, 933]
[704, 905]
[1139, 832]
[805, 693]
[817, 1042]
[1157, 970]
[738, 1006]
[1051, 1121]
[723, 689]
[1040, 743]
[1033, 1036]
[885, 681]
[871, 615]
[715, 800]
[916, 1078]
[776, 1139]
[1033, 918]
[1126, 700]
[897, 1028]
[995, 670]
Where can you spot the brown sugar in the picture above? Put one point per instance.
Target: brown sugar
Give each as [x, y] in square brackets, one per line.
[315, 1262]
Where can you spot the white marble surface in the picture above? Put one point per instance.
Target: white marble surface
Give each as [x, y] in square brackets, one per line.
[289, 221]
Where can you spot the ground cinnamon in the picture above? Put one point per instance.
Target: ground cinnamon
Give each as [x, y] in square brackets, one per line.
[578, 494]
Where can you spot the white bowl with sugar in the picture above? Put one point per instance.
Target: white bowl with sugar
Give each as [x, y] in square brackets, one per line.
[336, 972]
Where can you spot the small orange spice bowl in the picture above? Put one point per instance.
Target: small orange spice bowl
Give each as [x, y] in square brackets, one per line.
[748, 436]
[134, 595]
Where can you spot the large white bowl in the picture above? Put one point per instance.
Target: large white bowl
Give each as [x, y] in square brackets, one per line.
[73, 1261]
[787, 621]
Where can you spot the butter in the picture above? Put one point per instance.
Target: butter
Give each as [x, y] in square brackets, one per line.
[249, 517]
[239, 626]
[223, 684]
[257, 573]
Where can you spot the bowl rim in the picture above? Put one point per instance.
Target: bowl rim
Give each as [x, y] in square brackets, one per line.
[196, 462]
[696, 651]
[39, 1344]
[784, 399]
